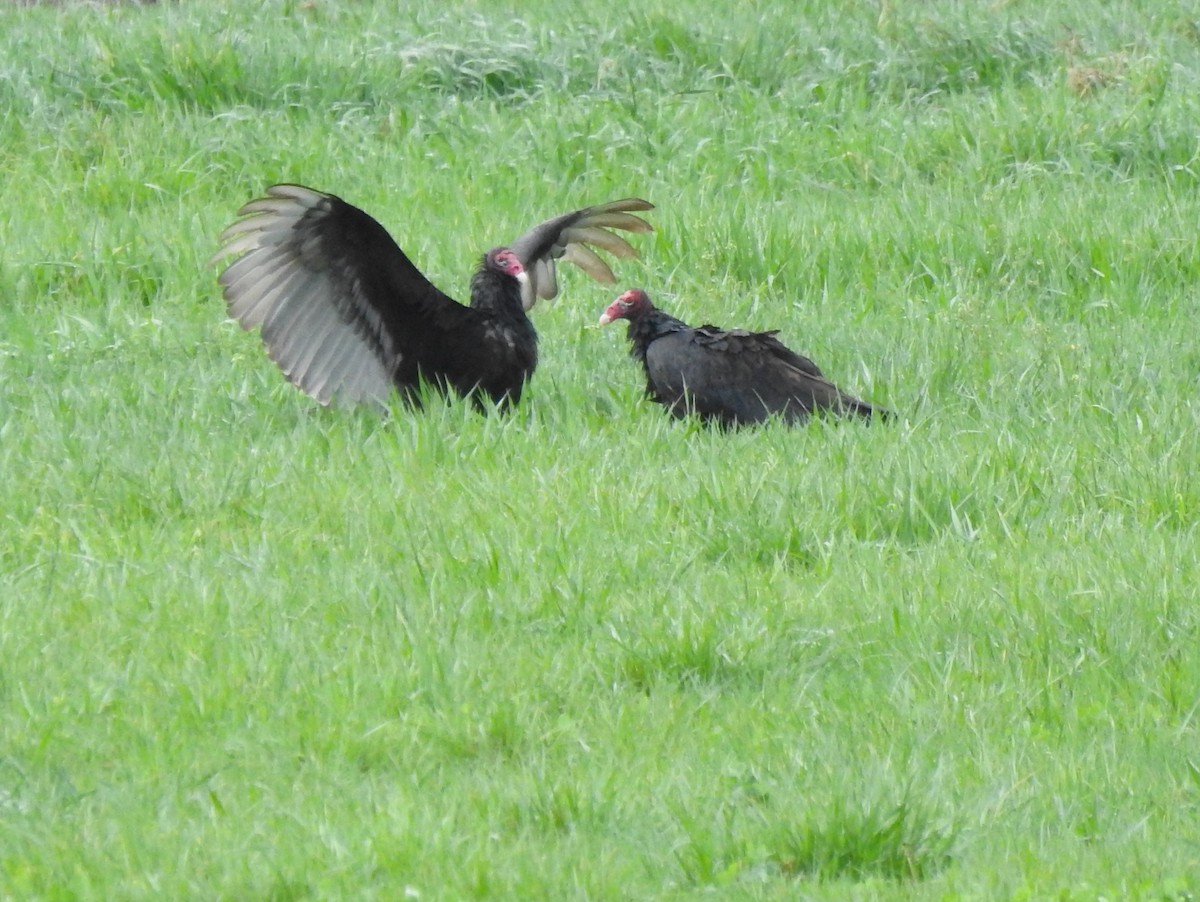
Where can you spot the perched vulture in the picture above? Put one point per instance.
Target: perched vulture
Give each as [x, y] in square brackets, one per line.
[347, 316]
[729, 376]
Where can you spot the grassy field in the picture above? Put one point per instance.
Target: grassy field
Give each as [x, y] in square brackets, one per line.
[255, 649]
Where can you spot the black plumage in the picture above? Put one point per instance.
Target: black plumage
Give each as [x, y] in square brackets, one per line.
[347, 316]
[729, 376]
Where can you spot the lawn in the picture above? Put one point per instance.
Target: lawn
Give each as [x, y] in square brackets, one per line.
[253, 648]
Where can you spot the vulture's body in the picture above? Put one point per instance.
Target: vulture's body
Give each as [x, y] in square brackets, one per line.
[347, 316]
[728, 376]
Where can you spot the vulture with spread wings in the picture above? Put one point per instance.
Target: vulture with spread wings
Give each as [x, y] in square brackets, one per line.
[347, 316]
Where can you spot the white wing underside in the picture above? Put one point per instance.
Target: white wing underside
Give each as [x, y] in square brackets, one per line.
[285, 285]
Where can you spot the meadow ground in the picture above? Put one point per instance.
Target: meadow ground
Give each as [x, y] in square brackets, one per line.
[255, 649]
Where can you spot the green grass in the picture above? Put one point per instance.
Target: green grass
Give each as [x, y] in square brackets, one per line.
[254, 649]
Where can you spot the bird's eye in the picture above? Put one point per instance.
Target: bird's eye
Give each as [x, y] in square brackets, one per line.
[625, 305]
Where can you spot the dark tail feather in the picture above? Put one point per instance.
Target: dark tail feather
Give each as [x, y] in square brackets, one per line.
[865, 410]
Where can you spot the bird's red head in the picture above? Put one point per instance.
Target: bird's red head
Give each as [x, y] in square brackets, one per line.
[631, 305]
[503, 260]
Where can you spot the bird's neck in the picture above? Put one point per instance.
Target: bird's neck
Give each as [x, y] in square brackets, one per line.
[497, 293]
[654, 325]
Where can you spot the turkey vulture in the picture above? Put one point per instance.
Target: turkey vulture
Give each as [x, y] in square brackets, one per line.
[730, 376]
[346, 315]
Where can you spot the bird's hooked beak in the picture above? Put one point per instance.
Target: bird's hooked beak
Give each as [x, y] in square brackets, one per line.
[612, 313]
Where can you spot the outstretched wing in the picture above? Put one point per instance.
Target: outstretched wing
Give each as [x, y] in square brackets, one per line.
[340, 305]
[568, 236]
[740, 377]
